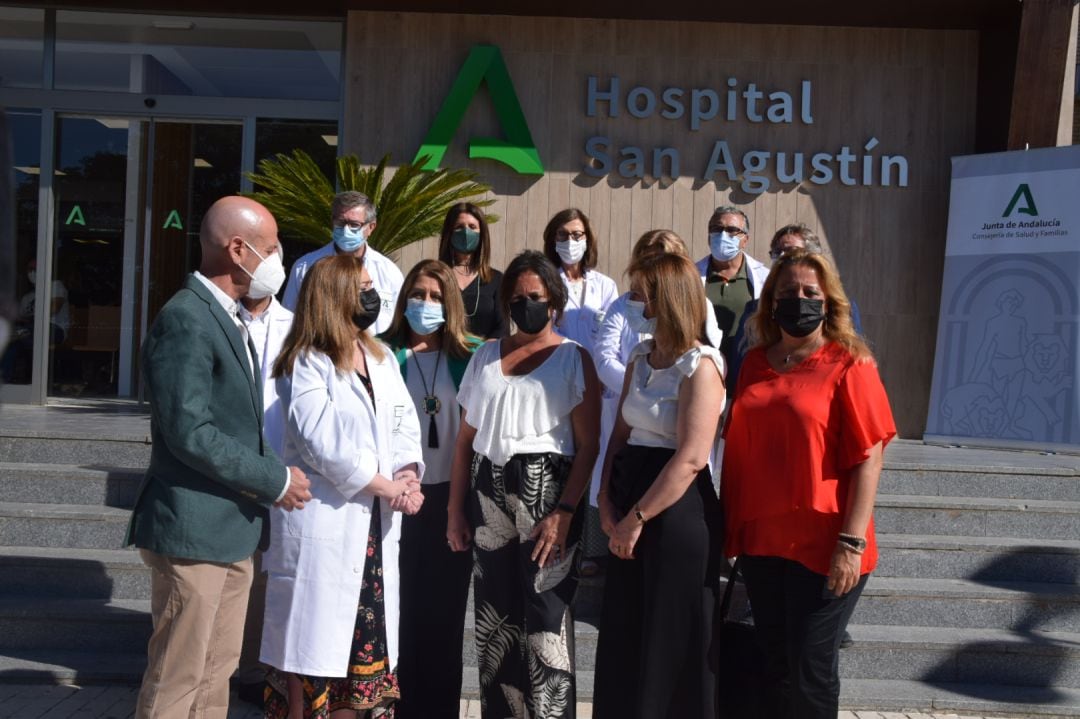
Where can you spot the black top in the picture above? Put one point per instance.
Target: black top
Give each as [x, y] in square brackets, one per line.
[482, 314]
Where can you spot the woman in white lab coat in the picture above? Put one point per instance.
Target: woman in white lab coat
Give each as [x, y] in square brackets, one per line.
[331, 625]
[571, 246]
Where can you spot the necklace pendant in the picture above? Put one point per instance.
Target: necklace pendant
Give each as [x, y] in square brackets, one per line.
[432, 405]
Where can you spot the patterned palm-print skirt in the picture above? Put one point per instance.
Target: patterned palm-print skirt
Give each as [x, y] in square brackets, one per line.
[524, 628]
[370, 686]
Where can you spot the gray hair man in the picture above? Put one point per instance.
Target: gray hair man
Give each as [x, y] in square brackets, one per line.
[732, 277]
[353, 218]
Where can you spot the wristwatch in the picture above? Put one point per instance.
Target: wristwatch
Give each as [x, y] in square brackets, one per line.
[638, 514]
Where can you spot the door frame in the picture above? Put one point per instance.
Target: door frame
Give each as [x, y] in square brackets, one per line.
[136, 107]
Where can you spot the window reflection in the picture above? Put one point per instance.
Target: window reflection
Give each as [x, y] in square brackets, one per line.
[213, 57]
[16, 363]
[22, 44]
[319, 140]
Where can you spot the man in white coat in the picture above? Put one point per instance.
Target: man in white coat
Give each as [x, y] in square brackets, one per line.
[268, 323]
[353, 218]
[732, 277]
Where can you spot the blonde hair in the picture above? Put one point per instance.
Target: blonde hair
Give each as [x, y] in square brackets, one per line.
[658, 242]
[455, 338]
[837, 328]
[323, 319]
[672, 286]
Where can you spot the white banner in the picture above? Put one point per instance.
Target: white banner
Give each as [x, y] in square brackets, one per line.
[1006, 364]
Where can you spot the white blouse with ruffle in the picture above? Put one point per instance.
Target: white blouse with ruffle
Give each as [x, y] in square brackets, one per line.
[522, 414]
[651, 405]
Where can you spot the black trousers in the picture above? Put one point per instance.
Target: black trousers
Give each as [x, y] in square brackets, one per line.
[799, 624]
[434, 594]
[653, 657]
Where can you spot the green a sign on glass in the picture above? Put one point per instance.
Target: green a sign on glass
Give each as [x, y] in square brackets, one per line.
[484, 64]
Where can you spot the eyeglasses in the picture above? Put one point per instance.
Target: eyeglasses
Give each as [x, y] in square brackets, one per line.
[563, 235]
[730, 229]
[778, 252]
[354, 226]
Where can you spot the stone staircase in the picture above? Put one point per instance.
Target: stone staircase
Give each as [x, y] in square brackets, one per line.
[975, 606]
[74, 604]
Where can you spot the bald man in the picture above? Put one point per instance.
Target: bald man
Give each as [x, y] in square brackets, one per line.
[202, 507]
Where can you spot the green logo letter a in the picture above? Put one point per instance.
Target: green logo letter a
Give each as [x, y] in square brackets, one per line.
[485, 63]
[1029, 202]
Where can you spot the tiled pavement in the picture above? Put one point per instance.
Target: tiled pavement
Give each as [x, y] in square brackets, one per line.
[36, 701]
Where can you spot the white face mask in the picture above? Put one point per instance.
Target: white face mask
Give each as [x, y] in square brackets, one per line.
[268, 277]
[32, 276]
[571, 251]
[635, 318]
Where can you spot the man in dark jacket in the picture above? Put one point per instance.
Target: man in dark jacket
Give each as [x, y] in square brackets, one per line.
[202, 507]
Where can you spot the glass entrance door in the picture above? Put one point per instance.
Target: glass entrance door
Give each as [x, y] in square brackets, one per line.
[129, 197]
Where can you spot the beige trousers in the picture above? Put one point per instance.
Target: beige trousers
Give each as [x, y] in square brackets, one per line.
[198, 610]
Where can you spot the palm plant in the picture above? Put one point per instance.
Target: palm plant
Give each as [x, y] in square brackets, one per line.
[411, 205]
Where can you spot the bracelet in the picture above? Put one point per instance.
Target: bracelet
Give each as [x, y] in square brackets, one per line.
[852, 541]
[566, 507]
[849, 548]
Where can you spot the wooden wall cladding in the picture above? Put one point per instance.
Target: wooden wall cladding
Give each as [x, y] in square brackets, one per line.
[913, 90]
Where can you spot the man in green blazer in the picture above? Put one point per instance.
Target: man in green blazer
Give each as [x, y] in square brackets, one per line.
[201, 510]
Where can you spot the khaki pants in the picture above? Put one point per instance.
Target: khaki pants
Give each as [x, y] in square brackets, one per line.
[252, 671]
[198, 610]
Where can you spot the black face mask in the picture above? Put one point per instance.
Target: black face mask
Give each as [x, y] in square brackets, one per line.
[465, 240]
[799, 316]
[530, 316]
[372, 303]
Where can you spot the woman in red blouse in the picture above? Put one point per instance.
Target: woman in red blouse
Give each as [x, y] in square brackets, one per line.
[802, 457]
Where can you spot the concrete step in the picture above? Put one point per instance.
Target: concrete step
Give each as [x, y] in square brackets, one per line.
[969, 656]
[948, 698]
[1021, 606]
[1054, 561]
[62, 525]
[81, 450]
[77, 573]
[977, 516]
[958, 480]
[69, 484]
[82, 668]
[117, 625]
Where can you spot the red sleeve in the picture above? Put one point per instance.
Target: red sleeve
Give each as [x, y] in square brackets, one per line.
[867, 418]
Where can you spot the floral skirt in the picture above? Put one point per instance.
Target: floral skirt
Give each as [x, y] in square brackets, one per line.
[369, 686]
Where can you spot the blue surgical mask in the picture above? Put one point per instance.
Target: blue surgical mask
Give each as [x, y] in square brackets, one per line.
[424, 317]
[723, 246]
[349, 240]
[635, 318]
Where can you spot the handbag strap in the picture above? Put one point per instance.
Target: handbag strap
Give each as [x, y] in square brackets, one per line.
[725, 603]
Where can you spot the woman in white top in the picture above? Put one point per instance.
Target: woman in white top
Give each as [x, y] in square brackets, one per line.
[658, 505]
[330, 629]
[433, 349]
[571, 246]
[615, 339]
[528, 441]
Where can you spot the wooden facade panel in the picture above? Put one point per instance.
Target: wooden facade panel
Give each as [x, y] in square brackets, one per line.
[913, 90]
